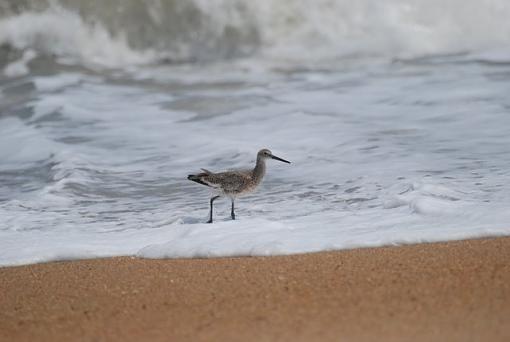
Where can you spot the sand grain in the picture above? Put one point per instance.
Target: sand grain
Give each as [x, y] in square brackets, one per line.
[456, 291]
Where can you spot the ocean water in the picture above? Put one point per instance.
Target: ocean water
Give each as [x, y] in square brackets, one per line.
[394, 114]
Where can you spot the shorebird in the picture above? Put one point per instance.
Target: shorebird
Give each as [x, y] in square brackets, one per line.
[234, 183]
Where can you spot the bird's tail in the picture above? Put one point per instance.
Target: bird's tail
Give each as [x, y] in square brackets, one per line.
[198, 178]
[193, 177]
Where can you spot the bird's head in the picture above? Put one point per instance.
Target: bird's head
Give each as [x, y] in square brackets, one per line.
[266, 154]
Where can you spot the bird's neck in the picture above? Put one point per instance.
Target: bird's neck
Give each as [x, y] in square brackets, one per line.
[259, 170]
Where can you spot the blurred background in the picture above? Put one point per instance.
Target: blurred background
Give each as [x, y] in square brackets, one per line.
[120, 33]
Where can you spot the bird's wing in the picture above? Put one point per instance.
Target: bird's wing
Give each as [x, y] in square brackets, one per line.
[228, 181]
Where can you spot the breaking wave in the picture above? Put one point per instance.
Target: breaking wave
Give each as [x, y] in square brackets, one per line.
[120, 33]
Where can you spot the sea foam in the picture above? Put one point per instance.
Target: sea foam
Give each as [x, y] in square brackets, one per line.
[99, 126]
[126, 34]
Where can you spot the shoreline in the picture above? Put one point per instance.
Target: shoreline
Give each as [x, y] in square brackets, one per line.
[451, 291]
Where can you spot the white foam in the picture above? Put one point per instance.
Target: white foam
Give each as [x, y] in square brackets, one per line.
[389, 156]
[20, 67]
[63, 33]
[326, 30]
[281, 33]
[34, 146]
[57, 82]
[260, 237]
[428, 199]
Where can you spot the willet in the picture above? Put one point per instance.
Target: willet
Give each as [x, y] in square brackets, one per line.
[234, 183]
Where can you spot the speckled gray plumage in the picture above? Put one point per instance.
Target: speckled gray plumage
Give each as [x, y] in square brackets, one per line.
[234, 183]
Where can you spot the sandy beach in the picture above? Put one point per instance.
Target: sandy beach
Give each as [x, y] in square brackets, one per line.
[455, 291]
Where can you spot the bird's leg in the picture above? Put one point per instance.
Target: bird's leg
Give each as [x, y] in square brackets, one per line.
[211, 206]
[232, 214]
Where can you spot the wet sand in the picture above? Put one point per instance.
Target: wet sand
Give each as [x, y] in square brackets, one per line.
[455, 291]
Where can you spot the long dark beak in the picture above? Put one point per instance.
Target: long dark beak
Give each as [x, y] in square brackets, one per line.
[280, 159]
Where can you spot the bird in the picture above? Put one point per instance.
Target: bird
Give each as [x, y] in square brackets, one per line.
[234, 183]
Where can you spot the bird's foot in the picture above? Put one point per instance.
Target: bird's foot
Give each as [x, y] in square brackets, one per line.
[209, 221]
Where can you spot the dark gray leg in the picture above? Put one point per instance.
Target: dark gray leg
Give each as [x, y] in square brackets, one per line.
[210, 210]
[232, 214]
